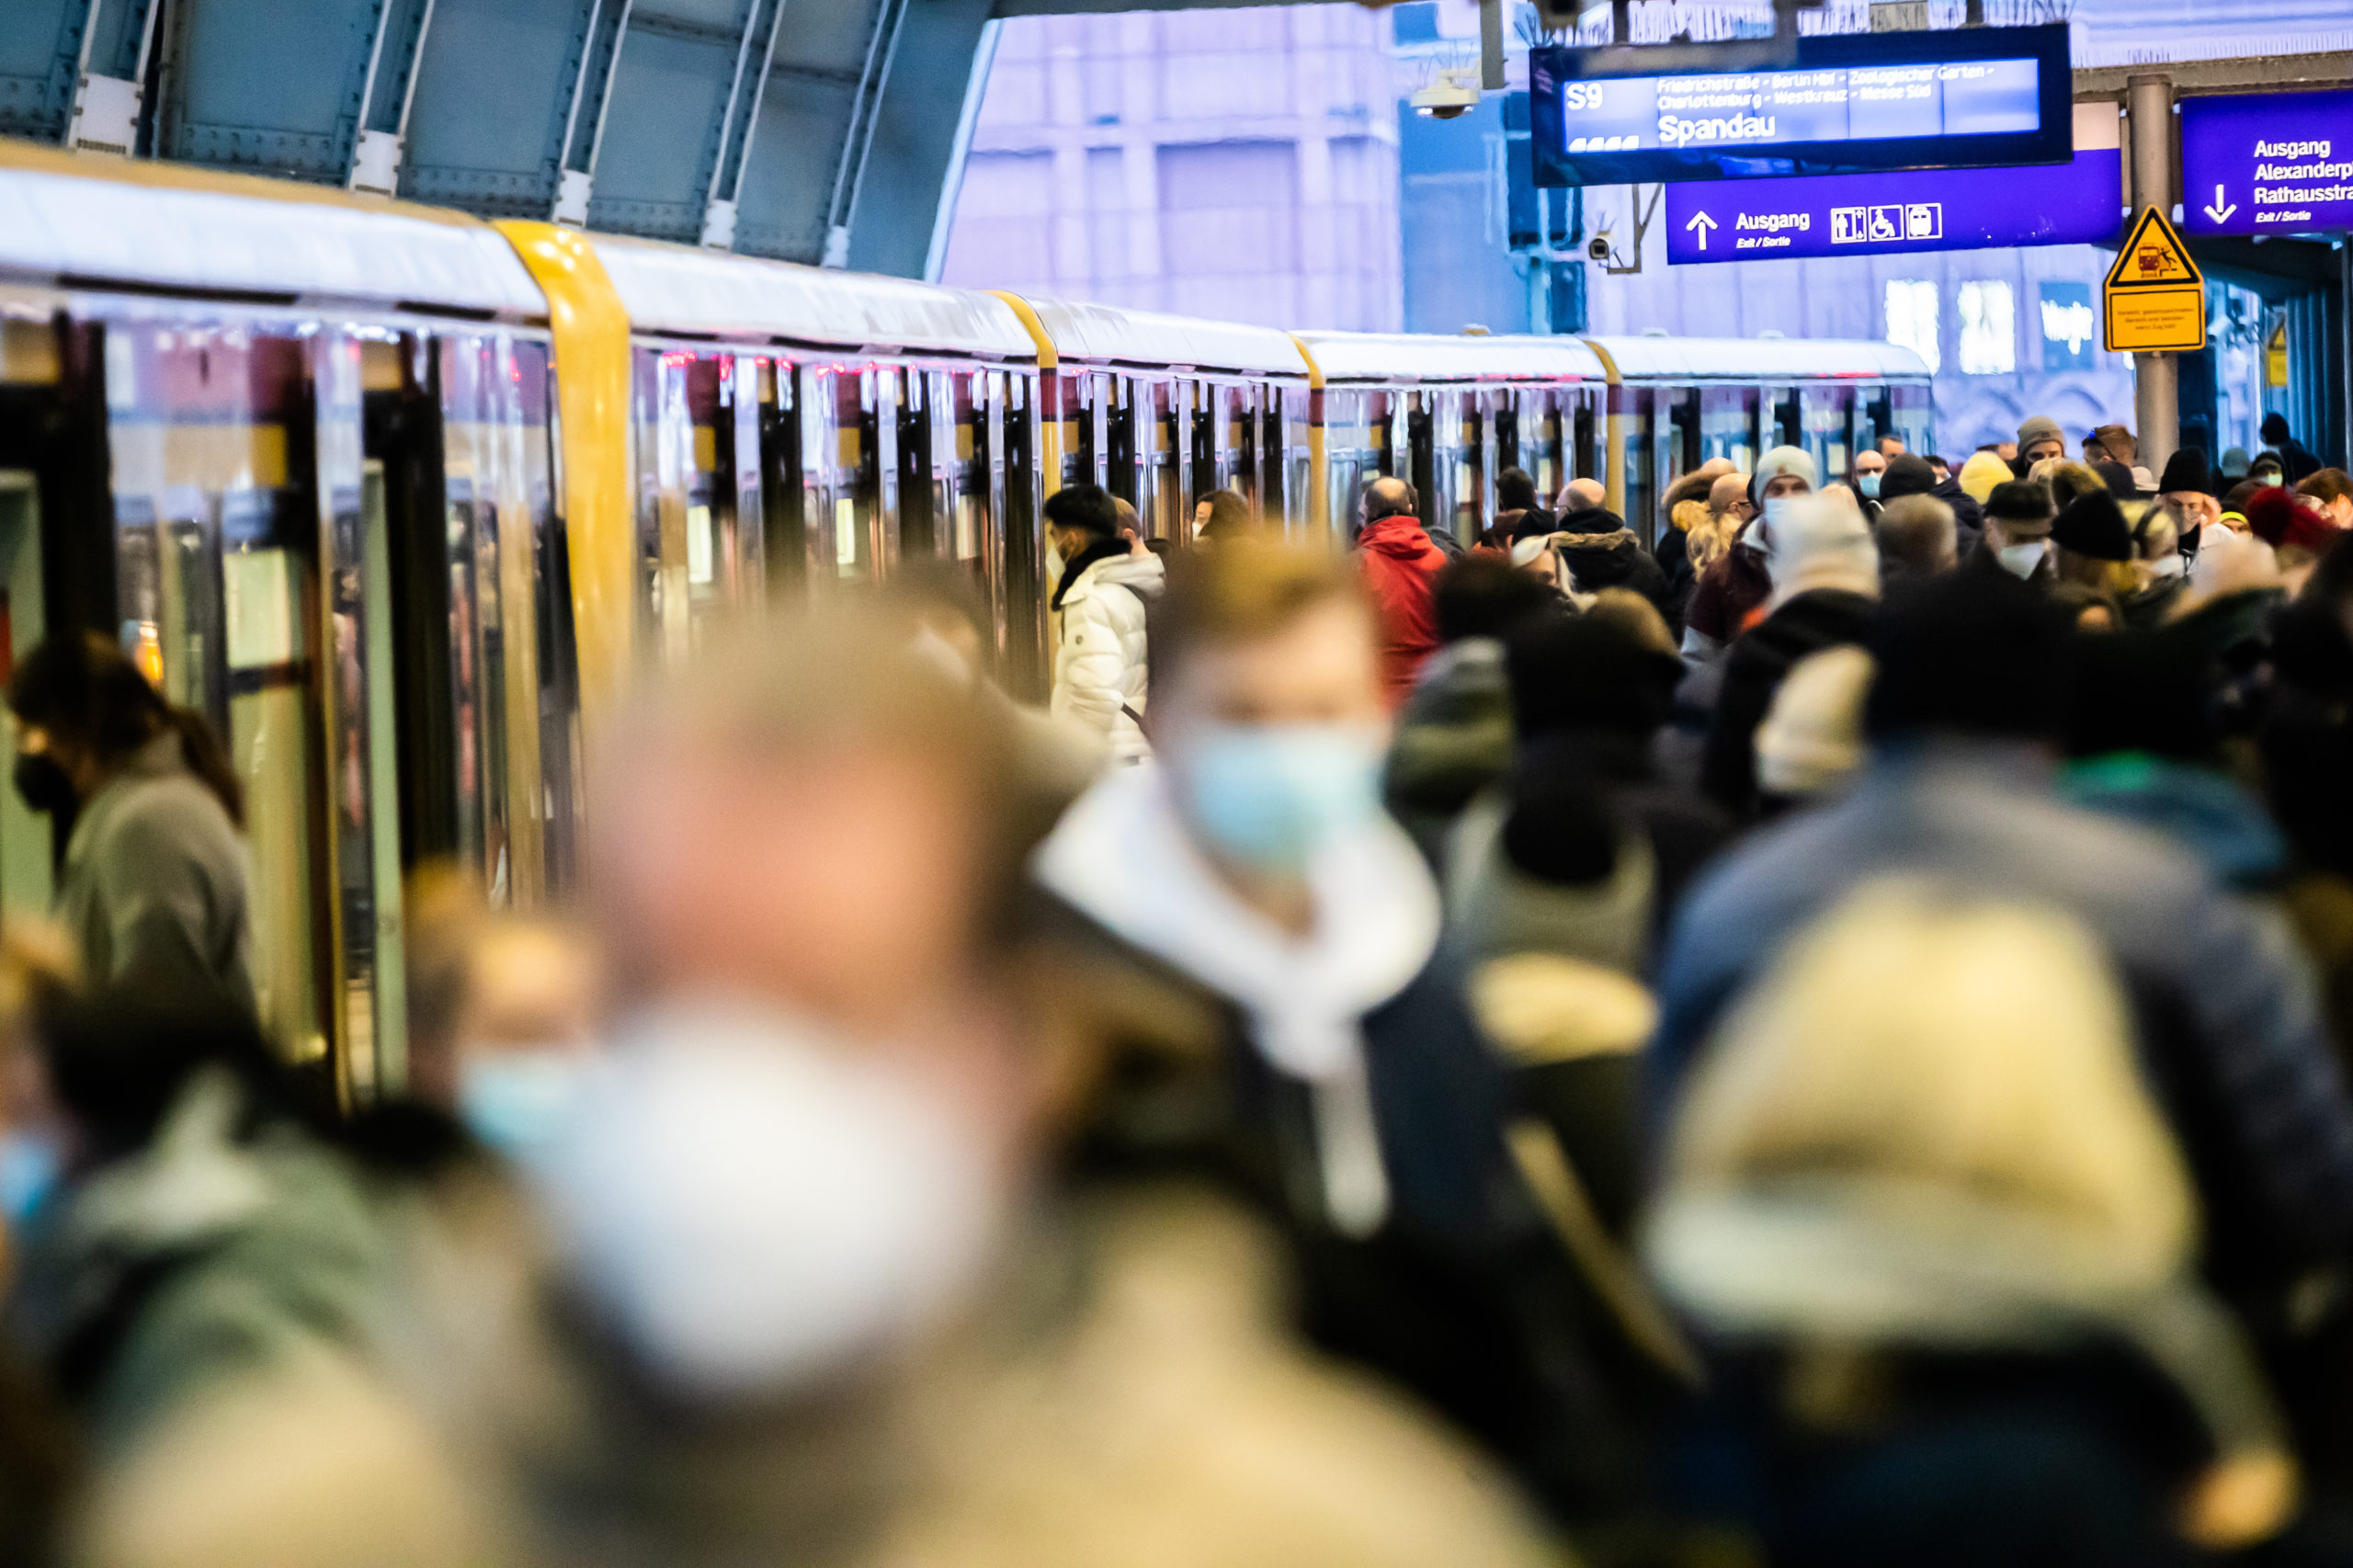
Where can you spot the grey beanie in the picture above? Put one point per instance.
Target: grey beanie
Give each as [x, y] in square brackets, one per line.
[1782, 460]
[2039, 427]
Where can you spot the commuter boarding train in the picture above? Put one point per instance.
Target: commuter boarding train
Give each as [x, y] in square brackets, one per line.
[399, 497]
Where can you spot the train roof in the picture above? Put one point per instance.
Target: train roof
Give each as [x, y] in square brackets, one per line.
[89, 220]
[680, 289]
[1106, 335]
[1759, 360]
[1387, 357]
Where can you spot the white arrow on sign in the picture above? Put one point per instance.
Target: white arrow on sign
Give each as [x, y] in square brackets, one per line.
[1702, 223]
[2222, 206]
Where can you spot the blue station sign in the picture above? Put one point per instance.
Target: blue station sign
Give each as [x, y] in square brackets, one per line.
[2078, 202]
[2267, 164]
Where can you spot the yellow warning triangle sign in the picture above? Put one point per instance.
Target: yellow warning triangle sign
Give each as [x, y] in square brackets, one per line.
[2153, 258]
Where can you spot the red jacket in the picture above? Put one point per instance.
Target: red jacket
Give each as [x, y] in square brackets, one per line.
[1399, 562]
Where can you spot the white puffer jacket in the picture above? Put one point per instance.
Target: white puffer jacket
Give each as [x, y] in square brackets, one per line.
[1100, 659]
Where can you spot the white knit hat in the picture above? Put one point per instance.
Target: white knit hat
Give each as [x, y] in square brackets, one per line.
[1780, 461]
[1820, 541]
[1811, 742]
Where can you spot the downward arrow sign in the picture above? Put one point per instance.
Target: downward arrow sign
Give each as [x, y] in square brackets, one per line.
[2222, 207]
[1701, 223]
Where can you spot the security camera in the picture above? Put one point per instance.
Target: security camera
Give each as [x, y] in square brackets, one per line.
[1597, 247]
[1452, 96]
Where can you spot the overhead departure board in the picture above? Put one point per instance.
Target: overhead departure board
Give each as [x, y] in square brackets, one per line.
[1850, 104]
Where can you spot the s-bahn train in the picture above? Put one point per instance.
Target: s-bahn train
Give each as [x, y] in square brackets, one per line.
[399, 498]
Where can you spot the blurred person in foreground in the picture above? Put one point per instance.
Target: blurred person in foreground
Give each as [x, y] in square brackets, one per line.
[1965, 717]
[1825, 591]
[152, 881]
[1096, 619]
[1246, 916]
[2333, 489]
[807, 1289]
[1454, 735]
[1944, 1249]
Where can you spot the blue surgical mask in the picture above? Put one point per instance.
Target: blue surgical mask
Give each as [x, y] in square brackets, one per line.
[1868, 484]
[1269, 796]
[29, 1166]
[520, 1100]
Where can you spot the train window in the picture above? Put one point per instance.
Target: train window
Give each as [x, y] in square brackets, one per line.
[926, 513]
[1788, 427]
[838, 468]
[1298, 454]
[1425, 468]
[784, 501]
[696, 558]
[1637, 450]
[1023, 663]
[1586, 460]
[1828, 409]
[1913, 415]
[1679, 432]
[216, 551]
[1160, 489]
[1350, 457]
[1879, 417]
[1728, 425]
[1453, 460]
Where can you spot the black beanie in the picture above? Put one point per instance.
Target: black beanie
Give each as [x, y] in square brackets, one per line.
[2093, 525]
[2117, 478]
[1972, 653]
[2186, 470]
[1907, 473]
[2019, 501]
[1587, 672]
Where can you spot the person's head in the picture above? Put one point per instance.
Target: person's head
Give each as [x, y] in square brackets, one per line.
[1783, 471]
[1221, 514]
[805, 817]
[2233, 463]
[1728, 498]
[2066, 479]
[1386, 498]
[2018, 524]
[1943, 470]
[1809, 746]
[1868, 467]
[2093, 543]
[1582, 495]
[2040, 437]
[1890, 445]
[2114, 477]
[2117, 445]
[1079, 517]
[2293, 525]
[1973, 653]
[502, 1006]
[2333, 489]
[2274, 429]
[1983, 470]
[2266, 469]
[2186, 492]
[1267, 711]
[1130, 526]
[1603, 671]
[1515, 491]
[1907, 475]
[82, 708]
[950, 618]
[1482, 597]
[1917, 537]
[1821, 542]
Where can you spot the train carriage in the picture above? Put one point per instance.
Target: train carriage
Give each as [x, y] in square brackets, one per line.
[401, 500]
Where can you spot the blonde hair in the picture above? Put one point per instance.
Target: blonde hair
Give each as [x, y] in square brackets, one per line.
[1706, 533]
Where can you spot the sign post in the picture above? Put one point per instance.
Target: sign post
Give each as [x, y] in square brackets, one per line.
[2155, 288]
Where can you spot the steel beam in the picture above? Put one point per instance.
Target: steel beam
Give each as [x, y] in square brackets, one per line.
[388, 95]
[743, 117]
[850, 172]
[598, 63]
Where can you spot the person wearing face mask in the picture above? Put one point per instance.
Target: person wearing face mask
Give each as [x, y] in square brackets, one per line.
[1732, 591]
[2159, 568]
[2018, 532]
[1096, 619]
[1249, 908]
[1868, 469]
[2265, 470]
[2039, 437]
[151, 887]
